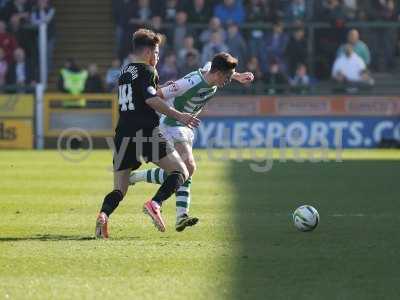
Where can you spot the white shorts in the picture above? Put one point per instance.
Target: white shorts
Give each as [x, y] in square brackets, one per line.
[177, 134]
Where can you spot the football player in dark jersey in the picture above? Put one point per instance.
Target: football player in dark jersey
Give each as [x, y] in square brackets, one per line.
[137, 136]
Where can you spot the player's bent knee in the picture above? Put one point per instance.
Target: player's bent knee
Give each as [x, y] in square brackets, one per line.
[186, 174]
[191, 167]
[181, 175]
[184, 171]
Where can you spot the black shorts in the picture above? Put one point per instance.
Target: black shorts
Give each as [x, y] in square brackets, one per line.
[147, 145]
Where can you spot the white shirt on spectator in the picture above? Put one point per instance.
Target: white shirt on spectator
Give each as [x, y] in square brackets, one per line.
[20, 73]
[351, 67]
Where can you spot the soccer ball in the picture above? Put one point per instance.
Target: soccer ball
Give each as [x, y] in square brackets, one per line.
[306, 218]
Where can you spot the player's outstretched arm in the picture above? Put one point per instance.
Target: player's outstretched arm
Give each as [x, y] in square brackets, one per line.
[162, 107]
[175, 88]
[160, 86]
[243, 78]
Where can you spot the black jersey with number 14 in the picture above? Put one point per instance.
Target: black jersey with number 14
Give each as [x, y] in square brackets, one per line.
[137, 83]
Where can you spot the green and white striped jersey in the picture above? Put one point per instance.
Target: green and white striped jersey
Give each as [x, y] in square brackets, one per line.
[189, 94]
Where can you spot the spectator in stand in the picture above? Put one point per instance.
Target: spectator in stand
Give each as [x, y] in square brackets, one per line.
[230, 11]
[25, 38]
[3, 68]
[301, 82]
[237, 45]
[368, 34]
[191, 63]
[274, 46]
[213, 26]
[253, 66]
[258, 11]
[17, 8]
[332, 9]
[120, 9]
[169, 70]
[156, 24]
[72, 79]
[364, 11]
[43, 12]
[7, 42]
[328, 39]
[180, 30]
[359, 47]
[275, 78]
[214, 46]
[351, 9]
[138, 15]
[188, 46]
[112, 76]
[279, 7]
[199, 11]
[296, 51]
[167, 9]
[333, 13]
[94, 82]
[296, 11]
[19, 73]
[386, 10]
[349, 67]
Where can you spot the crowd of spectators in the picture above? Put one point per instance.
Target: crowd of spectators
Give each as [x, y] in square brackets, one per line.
[271, 38]
[194, 30]
[19, 20]
[75, 79]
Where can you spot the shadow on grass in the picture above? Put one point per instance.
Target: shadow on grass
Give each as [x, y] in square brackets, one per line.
[48, 237]
[250, 201]
[274, 261]
[59, 237]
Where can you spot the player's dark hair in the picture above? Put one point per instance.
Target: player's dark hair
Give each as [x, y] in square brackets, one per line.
[223, 62]
[145, 38]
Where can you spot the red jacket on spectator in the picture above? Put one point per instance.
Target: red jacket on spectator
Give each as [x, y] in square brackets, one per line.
[9, 44]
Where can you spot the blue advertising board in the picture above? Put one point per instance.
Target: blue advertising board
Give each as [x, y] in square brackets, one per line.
[332, 132]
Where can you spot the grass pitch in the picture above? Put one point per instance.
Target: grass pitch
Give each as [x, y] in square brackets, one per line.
[244, 247]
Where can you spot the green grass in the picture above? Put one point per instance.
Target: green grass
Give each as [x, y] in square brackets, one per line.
[244, 247]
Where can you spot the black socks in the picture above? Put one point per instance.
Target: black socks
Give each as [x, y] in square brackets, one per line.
[111, 202]
[170, 185]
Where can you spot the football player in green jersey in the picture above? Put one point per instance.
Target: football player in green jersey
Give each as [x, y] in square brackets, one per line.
[190, 94]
